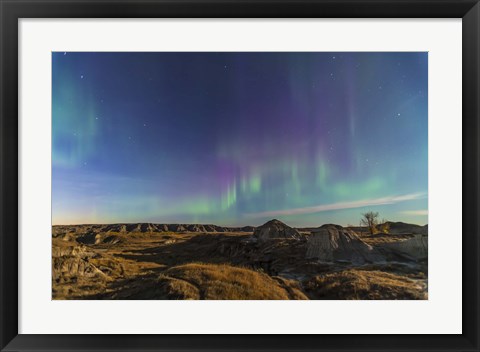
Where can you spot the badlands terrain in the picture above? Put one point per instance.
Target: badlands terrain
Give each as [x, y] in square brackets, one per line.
[272, 261]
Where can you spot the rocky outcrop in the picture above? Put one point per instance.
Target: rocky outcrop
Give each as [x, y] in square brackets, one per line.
[275, 229]
[333, 243]
[415, 247]
[72, 262]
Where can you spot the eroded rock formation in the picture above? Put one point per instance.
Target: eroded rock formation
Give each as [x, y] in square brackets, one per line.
[415, 247]
[333, 243]
[275, 229]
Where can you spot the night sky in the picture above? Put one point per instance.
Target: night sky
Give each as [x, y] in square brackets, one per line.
[239, 138]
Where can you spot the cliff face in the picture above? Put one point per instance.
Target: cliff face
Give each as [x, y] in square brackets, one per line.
[333, 243]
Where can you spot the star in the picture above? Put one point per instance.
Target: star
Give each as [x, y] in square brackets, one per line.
[248, 173]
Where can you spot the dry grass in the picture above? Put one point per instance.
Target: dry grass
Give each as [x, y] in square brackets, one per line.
[225, 282]
[361, 284]
[383, 238]
[198, 281]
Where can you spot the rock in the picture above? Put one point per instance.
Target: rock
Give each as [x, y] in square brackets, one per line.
[275, 229]
[415, 247]
[73, 261]
[333, 243]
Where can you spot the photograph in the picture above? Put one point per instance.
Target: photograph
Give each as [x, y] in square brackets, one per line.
[239, 175]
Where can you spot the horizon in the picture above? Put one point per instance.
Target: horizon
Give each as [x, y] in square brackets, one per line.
[237, 226]
[234, 137]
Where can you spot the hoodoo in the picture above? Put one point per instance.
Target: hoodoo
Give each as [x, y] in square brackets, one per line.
[275, 229]
[333, 243]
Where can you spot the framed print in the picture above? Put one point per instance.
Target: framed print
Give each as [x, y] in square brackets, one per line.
[215, 236]
[239, 176]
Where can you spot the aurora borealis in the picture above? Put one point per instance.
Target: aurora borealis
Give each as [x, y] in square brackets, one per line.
[239, 138]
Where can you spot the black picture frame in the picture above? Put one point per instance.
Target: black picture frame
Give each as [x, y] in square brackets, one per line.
[12, 10]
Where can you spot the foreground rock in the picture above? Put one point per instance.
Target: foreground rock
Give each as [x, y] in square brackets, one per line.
[333, 243]
[275, 229]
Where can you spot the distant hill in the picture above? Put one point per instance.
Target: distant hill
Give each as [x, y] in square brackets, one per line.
[395, 228]
[398, 228]
[147, 227]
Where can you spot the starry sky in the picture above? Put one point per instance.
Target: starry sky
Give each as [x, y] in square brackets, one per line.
[239, 138]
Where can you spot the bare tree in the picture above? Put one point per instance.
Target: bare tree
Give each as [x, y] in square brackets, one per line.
[370, 220]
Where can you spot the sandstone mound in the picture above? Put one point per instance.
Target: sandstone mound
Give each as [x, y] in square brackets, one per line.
[333, 243]
[275, 229]
[415, 247]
